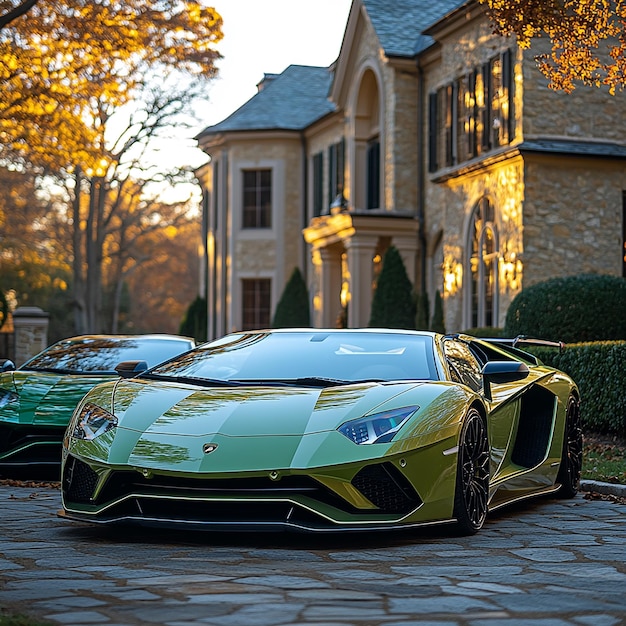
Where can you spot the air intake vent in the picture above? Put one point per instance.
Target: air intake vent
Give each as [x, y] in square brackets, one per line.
[79, 482]
[386, 487]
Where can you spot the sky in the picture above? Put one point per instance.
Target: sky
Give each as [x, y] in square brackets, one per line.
[266, 36]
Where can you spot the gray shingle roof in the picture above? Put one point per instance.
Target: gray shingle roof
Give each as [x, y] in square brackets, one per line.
[296, 98]
[399, 24]
[290, 101]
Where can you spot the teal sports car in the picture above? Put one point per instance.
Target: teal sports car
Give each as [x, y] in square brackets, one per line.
[37, 399]
[323, 430]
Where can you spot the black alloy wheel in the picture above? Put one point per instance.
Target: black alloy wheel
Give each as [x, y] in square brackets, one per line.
[572, 455]
[472, 481]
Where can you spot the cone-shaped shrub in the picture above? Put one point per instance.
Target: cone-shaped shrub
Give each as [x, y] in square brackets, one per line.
[292, 310]
[437, 323]
[393, 305]
[194, 323]
[423, 312]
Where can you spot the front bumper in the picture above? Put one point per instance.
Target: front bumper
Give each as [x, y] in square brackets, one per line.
[365, 496]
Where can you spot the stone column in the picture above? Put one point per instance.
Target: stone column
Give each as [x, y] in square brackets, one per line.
[330, 287]
[31, 332]
[360, 251]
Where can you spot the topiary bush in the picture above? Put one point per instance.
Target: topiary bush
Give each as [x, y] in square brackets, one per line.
[393, 305]
[422, 311]
[437, 322]
[587, 307]
[195, 322]
[292, 310]
[599, 369]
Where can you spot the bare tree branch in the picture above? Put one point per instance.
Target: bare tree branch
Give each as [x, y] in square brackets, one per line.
[18, 11]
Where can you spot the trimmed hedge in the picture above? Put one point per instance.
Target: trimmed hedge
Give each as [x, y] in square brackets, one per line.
[485, 331]
[599, 369]
[587, 307]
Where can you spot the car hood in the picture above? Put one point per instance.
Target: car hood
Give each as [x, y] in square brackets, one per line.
[186, 428]
[48, 398]
[250, 411]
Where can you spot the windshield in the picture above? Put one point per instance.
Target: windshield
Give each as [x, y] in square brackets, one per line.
[102, 354]
[293, 356]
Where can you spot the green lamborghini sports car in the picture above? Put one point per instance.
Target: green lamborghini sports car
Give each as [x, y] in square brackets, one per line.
[37, 399]
[323, 430]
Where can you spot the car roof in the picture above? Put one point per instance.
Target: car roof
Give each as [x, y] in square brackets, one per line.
[325, 331]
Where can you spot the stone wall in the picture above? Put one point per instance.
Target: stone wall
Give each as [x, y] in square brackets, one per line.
[572, 217]
[267, 253]
[586, 113]
[451, 199]
[31, 332]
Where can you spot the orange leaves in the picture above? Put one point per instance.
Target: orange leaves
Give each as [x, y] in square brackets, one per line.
[588, 38]
[64, 59]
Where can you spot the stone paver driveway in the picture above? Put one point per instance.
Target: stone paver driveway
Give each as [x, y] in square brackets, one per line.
[547, 563]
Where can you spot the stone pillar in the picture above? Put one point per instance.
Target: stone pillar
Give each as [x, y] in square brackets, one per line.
[360, 251]
[330, 287]
[31, 332]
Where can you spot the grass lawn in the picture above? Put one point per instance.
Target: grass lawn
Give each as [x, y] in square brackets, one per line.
[604, 459]
[8, 619]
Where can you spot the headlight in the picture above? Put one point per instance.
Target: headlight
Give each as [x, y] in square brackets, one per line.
[92, 422]
[377, 428]
[6, 397]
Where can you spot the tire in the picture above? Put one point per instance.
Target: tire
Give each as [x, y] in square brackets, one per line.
[572, 454]
[471, 494]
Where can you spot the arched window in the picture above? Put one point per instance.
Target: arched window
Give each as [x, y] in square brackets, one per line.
[483, 266]
[367, 145]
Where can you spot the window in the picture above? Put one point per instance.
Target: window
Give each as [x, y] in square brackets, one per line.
[256, 303]
[373, 174]
[500, 100]
[483, 266]
[464, 367]
[624, 234]
[472, 114]
[336, 160]
[318, 189]
[448, 126]
[433, 134]
[257, 199]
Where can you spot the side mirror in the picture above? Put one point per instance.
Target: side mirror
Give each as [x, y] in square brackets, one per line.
[500, 372]
[128, 369]
[6, 365]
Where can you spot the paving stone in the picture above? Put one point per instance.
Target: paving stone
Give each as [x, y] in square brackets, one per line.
[79, 617]
[82, 602]
[284, 582]
[439, 605]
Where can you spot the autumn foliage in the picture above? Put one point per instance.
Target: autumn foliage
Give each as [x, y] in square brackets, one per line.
[62, 60]
[86, 89]
[588, 38]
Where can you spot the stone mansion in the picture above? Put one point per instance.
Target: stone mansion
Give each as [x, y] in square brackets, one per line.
[429, 133]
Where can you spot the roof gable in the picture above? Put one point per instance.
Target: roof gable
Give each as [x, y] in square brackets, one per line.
[400, 24]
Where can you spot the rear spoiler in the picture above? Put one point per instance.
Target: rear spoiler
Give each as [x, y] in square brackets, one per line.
[522, 340]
